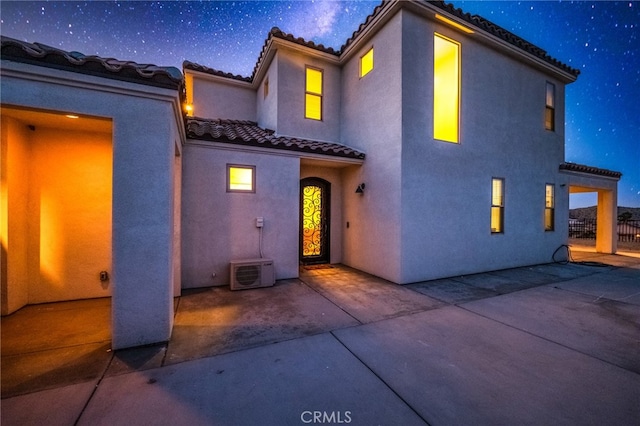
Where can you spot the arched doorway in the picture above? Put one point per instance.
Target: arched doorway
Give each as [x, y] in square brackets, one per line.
[315, 196]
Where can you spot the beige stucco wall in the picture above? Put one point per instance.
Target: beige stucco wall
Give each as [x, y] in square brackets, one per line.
[219, 226]
[267, 106]
[69, 232]
[146, 128]
[14, 215]
[211, 98]
[371, 122]
[446, 187]
[291, 76]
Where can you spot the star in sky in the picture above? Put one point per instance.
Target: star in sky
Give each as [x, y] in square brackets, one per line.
[600, 38]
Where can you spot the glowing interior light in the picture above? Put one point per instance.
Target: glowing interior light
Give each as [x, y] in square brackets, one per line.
[311, 220]
[366, 63]
[446, 89]
[189, 109]
[549, 207]
[72, 116]
[454, 24]
[313, 95]
[241, 178]
[497, 205]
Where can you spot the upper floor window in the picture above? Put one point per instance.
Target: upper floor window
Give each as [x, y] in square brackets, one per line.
[549, 207]
[550, 109]
[497, 205]
[446, 89]
[313, 94]
[366, 63]
[241, 178]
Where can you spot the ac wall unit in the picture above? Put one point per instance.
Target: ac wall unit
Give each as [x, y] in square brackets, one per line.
[252, 273]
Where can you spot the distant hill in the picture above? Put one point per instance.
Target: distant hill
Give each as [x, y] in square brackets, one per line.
[590, 212]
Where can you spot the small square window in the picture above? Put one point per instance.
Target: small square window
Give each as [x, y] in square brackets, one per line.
[241, 178]
[366, 63]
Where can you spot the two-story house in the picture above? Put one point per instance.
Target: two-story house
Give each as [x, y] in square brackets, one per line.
[462, 125]
[430, 145]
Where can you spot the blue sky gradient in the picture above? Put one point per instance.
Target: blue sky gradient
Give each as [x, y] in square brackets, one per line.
[600, 38]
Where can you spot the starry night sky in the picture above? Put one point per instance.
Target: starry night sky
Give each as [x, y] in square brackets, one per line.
[600, 38]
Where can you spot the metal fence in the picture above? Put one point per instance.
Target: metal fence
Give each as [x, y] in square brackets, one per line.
[628, 230]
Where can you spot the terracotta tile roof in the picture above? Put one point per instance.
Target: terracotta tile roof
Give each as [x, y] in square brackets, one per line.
[240, 132]
[573, 167]
[488, 26]
[476, 21]
[47, 56]
[197, 67]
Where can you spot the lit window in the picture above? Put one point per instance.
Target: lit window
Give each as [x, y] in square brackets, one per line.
[550, 109]
[266, 87]
[497, 205]
[366, 63]
[446, 89]
[241, 178]
[313, 94]
[549, 208]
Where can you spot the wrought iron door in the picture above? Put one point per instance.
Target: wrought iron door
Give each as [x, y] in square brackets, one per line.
[314, 220]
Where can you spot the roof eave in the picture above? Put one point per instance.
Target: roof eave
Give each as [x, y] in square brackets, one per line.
[430, 11]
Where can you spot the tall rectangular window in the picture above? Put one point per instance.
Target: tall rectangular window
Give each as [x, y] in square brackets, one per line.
[549, 207]
[446, 89]
[550, 109]
[313, 94]
[366, 63]
[497, 205]
[241, 178]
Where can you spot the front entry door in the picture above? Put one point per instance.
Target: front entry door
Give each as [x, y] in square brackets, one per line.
[314, 220]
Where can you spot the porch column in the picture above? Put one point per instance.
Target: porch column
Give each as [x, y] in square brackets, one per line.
[607, 229]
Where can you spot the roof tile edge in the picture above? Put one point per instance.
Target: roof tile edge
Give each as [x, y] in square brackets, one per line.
[40, 54]
[582, 168]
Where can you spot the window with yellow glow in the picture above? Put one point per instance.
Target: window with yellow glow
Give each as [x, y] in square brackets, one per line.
[313, 94]
[446, 89]
[497, 205]
[312, 221]
[550, 109]
[549, 208]
[241, 178]
[366, 63]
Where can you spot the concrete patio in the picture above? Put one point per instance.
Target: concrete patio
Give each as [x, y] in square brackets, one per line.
[548, 344]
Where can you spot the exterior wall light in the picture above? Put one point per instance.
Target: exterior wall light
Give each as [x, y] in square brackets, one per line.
[360, 189]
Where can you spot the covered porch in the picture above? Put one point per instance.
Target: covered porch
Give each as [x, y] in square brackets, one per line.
[582, 178]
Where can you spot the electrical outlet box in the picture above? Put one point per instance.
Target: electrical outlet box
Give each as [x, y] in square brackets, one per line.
[259, 222]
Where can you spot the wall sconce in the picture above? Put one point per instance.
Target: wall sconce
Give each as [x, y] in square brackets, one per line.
[360, 189]
[188, 108]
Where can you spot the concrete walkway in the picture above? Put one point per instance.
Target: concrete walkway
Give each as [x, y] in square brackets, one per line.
[550, 344]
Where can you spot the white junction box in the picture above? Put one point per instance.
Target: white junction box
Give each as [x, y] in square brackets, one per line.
[252, 273]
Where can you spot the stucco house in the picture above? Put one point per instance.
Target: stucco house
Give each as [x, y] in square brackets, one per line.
[430, 145]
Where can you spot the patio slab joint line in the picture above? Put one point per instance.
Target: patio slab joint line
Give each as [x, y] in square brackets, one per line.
[547, 339]
[381, 379]
[95, 388]
[330, 301]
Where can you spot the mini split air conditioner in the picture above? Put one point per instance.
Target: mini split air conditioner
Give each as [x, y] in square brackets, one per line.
[252, 273]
